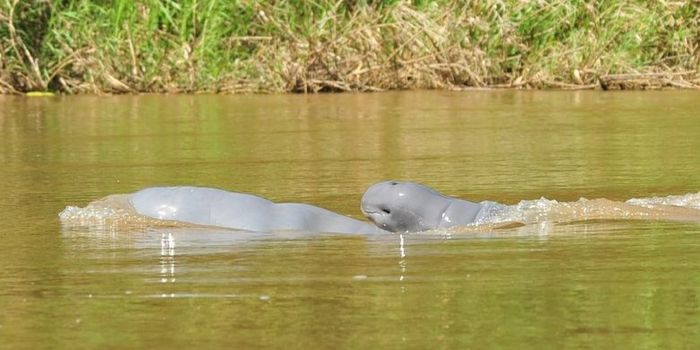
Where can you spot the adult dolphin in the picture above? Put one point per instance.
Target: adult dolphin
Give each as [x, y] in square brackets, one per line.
[411, 207]
[215, 207]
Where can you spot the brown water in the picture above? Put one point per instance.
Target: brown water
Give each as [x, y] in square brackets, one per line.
[589, 284]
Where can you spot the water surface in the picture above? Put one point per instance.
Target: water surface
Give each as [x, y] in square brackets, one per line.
[590, 284]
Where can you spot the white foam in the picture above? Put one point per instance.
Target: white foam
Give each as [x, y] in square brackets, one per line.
[691, 200]
[112, 212]
[91, 215]
[678, 207]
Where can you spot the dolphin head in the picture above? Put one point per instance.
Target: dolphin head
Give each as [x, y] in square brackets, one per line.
[403, 206]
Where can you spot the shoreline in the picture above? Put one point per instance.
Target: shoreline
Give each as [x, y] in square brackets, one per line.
[191, 46]
[620, 82]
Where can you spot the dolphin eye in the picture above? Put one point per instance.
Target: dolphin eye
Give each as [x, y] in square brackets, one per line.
[393, 183]
[386, 210]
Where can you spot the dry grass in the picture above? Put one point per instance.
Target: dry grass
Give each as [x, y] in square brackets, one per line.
[79, 46]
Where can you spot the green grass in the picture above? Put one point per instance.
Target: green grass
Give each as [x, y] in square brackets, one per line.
[93, 46]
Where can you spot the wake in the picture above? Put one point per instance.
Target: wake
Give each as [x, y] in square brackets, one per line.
[684, 208]
[115, 213]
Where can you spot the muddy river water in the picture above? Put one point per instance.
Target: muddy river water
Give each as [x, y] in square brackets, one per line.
[588, 282]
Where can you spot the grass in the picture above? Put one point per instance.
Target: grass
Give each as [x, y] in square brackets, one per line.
[116, 46]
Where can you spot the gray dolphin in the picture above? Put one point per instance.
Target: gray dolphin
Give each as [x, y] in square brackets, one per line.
[215, 207]
[411, 207]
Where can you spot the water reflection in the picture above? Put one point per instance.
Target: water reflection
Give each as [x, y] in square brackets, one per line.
[167, 258]
[402, 258]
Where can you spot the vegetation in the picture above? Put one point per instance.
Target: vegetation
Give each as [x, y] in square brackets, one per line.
[94, 46]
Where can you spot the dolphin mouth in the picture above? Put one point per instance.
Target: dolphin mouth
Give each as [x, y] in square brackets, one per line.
[372, 215]
[367, 212]
[375, 211]
[375, 216]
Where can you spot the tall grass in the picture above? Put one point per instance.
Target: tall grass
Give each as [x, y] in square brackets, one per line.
[79, 46]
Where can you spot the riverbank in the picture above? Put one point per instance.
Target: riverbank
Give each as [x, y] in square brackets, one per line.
[129, 46]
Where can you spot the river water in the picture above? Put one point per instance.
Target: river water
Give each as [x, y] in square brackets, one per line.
[586, 283]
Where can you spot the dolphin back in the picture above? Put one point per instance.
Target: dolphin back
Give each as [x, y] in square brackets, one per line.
[203, 206]
[459, 213]
[214, 207]
[317, 219]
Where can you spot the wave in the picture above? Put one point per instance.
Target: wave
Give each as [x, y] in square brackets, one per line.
[116, 213]
[112, 213]
[691, 200]
[673, 208]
